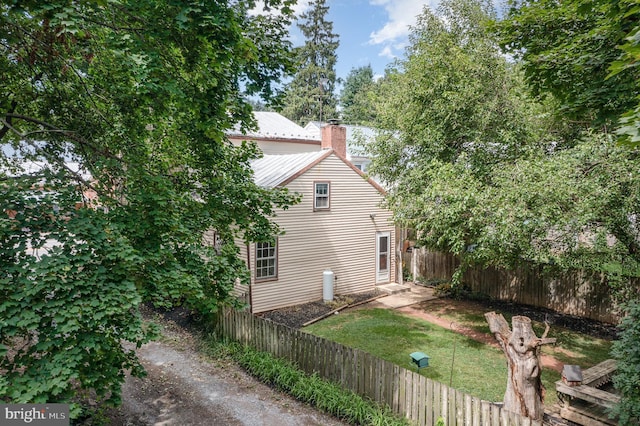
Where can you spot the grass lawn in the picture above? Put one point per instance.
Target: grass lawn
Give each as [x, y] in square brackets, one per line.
[571, 347]
[478, 369]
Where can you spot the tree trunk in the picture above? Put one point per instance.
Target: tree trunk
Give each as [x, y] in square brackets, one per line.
[525, 392]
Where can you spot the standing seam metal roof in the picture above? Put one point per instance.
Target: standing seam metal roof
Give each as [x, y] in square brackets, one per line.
[274, 125]
[272, 170]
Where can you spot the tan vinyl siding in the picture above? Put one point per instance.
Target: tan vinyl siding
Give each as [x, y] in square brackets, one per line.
[342, 239]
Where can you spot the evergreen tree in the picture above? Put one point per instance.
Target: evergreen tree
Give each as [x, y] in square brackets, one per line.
[309, 96]
[356, 97]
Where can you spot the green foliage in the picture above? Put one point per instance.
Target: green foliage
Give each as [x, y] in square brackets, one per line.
[629, 131]
[627, 353]
[310, 94]
[566, 49]
[65, 309]
[457, 291]
[454, 98]
[479, 369]
[479, 170]
[127, 102]
[326, 396]
[357, 97]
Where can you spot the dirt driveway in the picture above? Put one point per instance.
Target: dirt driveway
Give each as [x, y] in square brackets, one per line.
[184, 387]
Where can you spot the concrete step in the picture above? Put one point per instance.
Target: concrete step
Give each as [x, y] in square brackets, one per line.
[394, 288]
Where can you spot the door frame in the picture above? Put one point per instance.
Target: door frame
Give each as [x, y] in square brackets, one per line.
[383, 275]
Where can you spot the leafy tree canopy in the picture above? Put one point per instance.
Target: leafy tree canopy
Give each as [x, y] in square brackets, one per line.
[482, 170]
[114, 163]
[310, 94]
[567, 48]
[454, 98]
[356, 98]
[628, 62]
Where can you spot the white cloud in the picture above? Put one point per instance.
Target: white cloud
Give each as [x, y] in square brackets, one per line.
[387, 52]
[402, 14]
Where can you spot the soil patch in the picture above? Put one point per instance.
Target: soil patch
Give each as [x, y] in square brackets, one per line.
[186, 387]
[586, 326]
[296, 316]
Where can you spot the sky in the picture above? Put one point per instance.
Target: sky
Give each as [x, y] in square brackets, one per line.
[372, 32]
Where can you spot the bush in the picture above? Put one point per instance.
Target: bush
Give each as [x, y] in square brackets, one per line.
[627, 352]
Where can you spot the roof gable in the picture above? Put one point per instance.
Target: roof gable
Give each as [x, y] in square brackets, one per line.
[271, 171]
[275, 170]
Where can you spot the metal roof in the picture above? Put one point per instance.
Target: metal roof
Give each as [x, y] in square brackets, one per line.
[274, 125]
[272, 170]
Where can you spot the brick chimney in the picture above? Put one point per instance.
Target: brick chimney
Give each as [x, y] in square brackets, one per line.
[334, 137]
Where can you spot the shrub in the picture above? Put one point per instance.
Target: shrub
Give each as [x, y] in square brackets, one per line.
[324, 395]
[627, 352]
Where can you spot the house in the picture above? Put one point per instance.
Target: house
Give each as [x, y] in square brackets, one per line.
[279, 135]
[339, 225]
[357, 138]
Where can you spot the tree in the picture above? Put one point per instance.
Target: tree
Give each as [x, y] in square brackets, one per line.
[567, 48]
[451, 112]
[454, 95]
[482, 171]
[356, 99]
[525, 391]
[129, 101]
[627, 352]
[585, 53]
[310, 94]
[629, 130]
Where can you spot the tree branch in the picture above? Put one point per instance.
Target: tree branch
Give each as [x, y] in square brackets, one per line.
[7, 123]
[71, 135]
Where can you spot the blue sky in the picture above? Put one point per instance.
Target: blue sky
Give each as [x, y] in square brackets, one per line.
[371, 31]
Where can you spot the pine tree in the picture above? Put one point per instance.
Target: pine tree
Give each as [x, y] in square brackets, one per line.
[310, 94]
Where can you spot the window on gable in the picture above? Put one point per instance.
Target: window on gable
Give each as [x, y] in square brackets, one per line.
[321, 196]
[266, 261]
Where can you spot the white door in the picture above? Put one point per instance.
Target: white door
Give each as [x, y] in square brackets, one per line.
[383, 256]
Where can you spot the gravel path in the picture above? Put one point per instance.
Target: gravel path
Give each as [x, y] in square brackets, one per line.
[184, 387]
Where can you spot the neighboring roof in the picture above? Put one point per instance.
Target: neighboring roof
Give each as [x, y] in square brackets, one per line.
[357, 136]
[272, 125]
[273, 170]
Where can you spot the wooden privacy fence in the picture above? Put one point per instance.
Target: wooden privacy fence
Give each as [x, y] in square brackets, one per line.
[571, 293]
[407, 393]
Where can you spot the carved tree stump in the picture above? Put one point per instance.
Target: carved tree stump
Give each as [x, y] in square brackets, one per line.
[521, 346]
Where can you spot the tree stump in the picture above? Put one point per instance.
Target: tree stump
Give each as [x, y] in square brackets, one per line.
[521, 346]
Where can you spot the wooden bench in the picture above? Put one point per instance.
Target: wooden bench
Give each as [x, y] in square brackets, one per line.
[592, 378]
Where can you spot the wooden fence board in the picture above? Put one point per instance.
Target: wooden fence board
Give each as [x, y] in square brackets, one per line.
[429, 419]
[422, 399]
[573, 293]
[477, 410]
[408, 393]
[495, 415]
[452, 402]
[402, 393]
[459, 407]
[437, 401]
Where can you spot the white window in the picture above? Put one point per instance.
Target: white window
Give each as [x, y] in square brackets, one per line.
[266, 261]
[321, 196]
